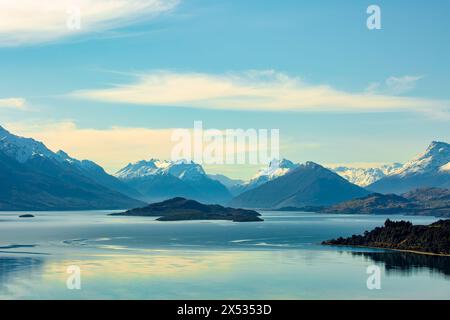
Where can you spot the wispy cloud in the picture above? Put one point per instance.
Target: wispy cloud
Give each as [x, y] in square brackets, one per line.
[13, 103]
[31, 21]
[252, 90]
[112, 147]
[394, 85]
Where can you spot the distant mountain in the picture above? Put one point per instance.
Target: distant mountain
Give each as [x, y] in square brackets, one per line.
[32, 177]
[160, 180]
[308, 184]
[178, 209]
[428, 194]
[366, 176]
[235, 186]
[430, 169]
[428, 201]
[375, 203]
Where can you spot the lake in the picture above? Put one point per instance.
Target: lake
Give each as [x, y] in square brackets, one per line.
[140, 258]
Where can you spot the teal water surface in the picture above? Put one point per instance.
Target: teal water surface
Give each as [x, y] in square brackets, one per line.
[140, 258]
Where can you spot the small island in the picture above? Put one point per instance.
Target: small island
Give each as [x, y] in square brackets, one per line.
[403, 235]
[178, 209]
[26, 216]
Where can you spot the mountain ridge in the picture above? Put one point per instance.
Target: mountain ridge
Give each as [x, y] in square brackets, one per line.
[32, 177]
[428, 169]
[309, 184]
[159, 180]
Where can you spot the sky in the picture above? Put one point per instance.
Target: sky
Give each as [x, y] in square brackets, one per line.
[114, 89]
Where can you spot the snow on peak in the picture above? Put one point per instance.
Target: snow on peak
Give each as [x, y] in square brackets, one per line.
[432, 160]
[63, 157]
[366, 176]
[276, 168]
[22, 149]
[183, 169]
[186, 170]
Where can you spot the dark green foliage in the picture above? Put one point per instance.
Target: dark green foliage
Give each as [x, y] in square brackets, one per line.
[403, 235]
[183, 209]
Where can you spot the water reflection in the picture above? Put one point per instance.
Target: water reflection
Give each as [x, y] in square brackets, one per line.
[406, 263]
[12, 268]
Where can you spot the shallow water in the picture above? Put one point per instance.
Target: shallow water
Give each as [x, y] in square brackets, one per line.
[140, 258]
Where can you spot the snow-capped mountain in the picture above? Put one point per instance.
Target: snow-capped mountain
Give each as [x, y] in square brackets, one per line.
[366, 176]
[276, 169]
[429, 169]
[23, 149]
[436, 156]
[160, 180]
[142, 169]
[307, 184]
[182, 169]
[35, 178]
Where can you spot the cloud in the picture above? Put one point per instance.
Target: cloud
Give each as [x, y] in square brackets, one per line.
[112, 148]
[399, 85]
[115, 147]
[31, 21]
[394, 85]
[13, 103]
[252, 90]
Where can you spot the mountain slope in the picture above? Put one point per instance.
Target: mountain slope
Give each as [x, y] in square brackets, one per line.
[429, 169]
[98, 174]
[160, 180]
[32, 177]
[428, 201]
[234, 186]
[308, 185]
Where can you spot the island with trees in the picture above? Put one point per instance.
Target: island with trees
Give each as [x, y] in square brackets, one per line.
[178, 209]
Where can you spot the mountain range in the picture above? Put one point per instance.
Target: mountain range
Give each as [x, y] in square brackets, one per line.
[429, 169]
[308, 184]
[160, 180]
[366, 176]
[32, 177]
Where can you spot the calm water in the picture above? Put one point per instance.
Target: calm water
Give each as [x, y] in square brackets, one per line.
[140, 258]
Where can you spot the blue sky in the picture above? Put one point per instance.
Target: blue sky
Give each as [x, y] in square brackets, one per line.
[65, 79]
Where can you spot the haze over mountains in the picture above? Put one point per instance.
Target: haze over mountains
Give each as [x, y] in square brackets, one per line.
[32, 177]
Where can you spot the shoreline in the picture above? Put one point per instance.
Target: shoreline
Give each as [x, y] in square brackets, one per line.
[391, 249]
